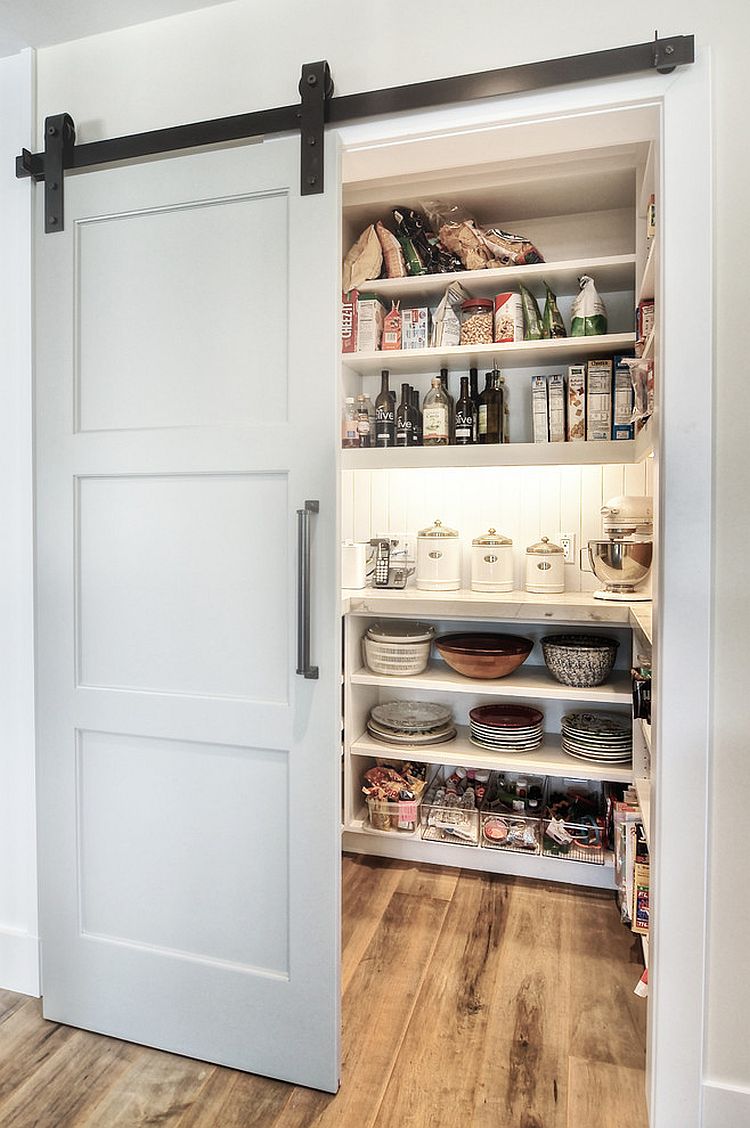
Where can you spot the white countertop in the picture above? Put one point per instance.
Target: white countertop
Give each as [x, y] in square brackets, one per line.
[569, 607]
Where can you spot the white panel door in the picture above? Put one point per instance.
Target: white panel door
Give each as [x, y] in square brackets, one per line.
[188, 776]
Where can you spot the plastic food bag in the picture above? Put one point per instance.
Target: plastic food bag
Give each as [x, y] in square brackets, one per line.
[363, 261]
[642, 376]
[393, 256]
[533, 329]
[421, 247]
[458, 233]
[446, 322]
[552, 322]
[588, 315]
[508, 249]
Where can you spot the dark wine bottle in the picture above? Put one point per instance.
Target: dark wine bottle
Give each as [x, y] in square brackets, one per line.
[451, 406]
[385, 414]
[417, 417]
[489, 412]
[405, 431]
[465, 415]
[474, 393]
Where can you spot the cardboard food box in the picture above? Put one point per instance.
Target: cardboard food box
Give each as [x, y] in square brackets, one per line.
[599, 400]
[392, 328]
[556, 405]
[349, 321]
[415, 328]
[644, 322]
[540, 409]
[623, 426]
[576, 403]
[370, 317]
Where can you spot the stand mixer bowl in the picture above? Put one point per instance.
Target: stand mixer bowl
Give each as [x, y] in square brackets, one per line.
[620, 565]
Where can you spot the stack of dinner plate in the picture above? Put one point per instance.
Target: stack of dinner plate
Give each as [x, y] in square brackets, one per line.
[411, 724]
[603, 738]
[506, 728]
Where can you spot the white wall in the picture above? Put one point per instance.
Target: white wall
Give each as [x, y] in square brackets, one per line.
[18, 913]
[245, 56]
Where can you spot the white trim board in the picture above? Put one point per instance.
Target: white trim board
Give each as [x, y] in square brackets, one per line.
[19, 962]
[725, 1106]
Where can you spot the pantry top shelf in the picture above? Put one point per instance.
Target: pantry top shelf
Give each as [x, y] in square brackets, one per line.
[519, 354]
[611, 273]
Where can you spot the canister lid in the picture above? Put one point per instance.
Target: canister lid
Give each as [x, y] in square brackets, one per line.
[400, 631]
[544, 548]
[491, 537]
[476, 303]
[438, 530]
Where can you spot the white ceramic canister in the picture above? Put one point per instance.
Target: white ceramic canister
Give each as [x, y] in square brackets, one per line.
[545, 568]
[492, 562]
[438, 559]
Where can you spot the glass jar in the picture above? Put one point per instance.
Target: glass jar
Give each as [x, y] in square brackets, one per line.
[476, 321]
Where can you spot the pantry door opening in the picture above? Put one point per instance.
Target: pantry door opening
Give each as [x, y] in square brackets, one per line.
[428, 148]
[189, 882]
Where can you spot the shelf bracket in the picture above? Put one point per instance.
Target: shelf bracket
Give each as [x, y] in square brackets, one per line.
[59, 142]
[316, 88]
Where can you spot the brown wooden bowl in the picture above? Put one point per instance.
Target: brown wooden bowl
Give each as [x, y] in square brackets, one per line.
[483, 655]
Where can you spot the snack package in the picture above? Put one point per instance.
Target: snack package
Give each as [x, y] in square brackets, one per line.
[363, 261]
[393, 256]
[508, 318]
[588, 315]
[420, 244]
[392, 328]
[415, 328]
[508, 249]
[446, 321]
[552, 322]
[458, 233]
[532, 319]
[349, 321]
[642, 377]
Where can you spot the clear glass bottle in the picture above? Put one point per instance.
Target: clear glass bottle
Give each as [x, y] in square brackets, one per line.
[451, 406]
[405, 419]
[465, 415]
[364, 421]
[489, 412]
[349, 432]
[385, 414]
[436, 416]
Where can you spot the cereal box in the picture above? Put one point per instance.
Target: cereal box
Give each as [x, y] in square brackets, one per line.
[599, 400]
[540, 409]
[370, 316]
[576, 402]
[622, 401]
[415, 328]
[556, 405]
[392, 328]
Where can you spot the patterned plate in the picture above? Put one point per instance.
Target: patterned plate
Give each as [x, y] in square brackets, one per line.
[413, 741]
[412, 716]
[596, 724]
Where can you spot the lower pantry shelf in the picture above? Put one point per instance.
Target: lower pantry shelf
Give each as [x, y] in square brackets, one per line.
[359, 840]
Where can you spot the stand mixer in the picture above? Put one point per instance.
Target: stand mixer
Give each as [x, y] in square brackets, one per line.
[623, 561]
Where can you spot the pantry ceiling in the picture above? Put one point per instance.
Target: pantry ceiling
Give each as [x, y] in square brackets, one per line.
[42, 23]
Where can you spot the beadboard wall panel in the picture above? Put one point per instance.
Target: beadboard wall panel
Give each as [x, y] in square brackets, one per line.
[523, 502]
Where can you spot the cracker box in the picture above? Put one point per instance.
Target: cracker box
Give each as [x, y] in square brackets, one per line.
[370, 317]
[576, 403]
[540, 409]
[622, 401]
[644, 319]
[415, 328]
[392, 328]
[599, 400]
[556, 406]
[349, 321]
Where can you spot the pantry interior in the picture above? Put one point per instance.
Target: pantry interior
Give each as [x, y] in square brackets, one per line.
[578, 187]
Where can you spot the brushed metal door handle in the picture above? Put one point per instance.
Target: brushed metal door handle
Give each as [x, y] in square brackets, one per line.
[304, 668]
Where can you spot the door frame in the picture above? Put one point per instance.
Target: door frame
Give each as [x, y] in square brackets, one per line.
[683, 581]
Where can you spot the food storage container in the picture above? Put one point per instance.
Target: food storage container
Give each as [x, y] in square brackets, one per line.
[545, 568]
[438, 559]
[492, 562]
[476, 321]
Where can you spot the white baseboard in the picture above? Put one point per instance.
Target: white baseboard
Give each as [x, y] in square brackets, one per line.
[19, 962]
[725, 1106]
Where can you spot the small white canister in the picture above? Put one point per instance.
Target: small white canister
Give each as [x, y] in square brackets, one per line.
[492, 562]
[438, 559]
[545, 568]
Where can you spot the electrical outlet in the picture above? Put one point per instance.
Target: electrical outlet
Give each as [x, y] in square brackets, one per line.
[568, 545]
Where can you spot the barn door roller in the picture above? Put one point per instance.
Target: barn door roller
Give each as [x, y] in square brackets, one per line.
[318, 108]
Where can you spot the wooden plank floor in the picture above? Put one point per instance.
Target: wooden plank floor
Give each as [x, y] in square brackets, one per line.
[469, 1000]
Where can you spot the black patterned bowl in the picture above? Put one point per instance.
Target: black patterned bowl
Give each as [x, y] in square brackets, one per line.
[579, 660]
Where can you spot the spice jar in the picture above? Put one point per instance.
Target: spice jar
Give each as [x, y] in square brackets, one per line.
[545, 567]
[476, 321]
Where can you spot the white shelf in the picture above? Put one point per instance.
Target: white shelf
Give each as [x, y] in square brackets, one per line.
[646, 729]
[643, 445]
[518, 354]
[612, 273]
[549, 759]
[622, 452]
[647, 286]
[643, 791]
[359, 840]
[527, 681]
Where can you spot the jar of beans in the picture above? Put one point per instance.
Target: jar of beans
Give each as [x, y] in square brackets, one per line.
[476, 321]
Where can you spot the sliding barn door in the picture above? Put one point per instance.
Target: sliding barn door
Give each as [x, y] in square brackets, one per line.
[188, 775]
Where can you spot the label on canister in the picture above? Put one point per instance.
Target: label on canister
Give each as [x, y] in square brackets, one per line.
[508, 318]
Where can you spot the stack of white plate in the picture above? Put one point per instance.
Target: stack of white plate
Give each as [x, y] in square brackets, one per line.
[506, 728]
[603, 738]
[411, 724]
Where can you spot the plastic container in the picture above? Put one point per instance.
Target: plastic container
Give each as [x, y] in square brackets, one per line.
[398, 649]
